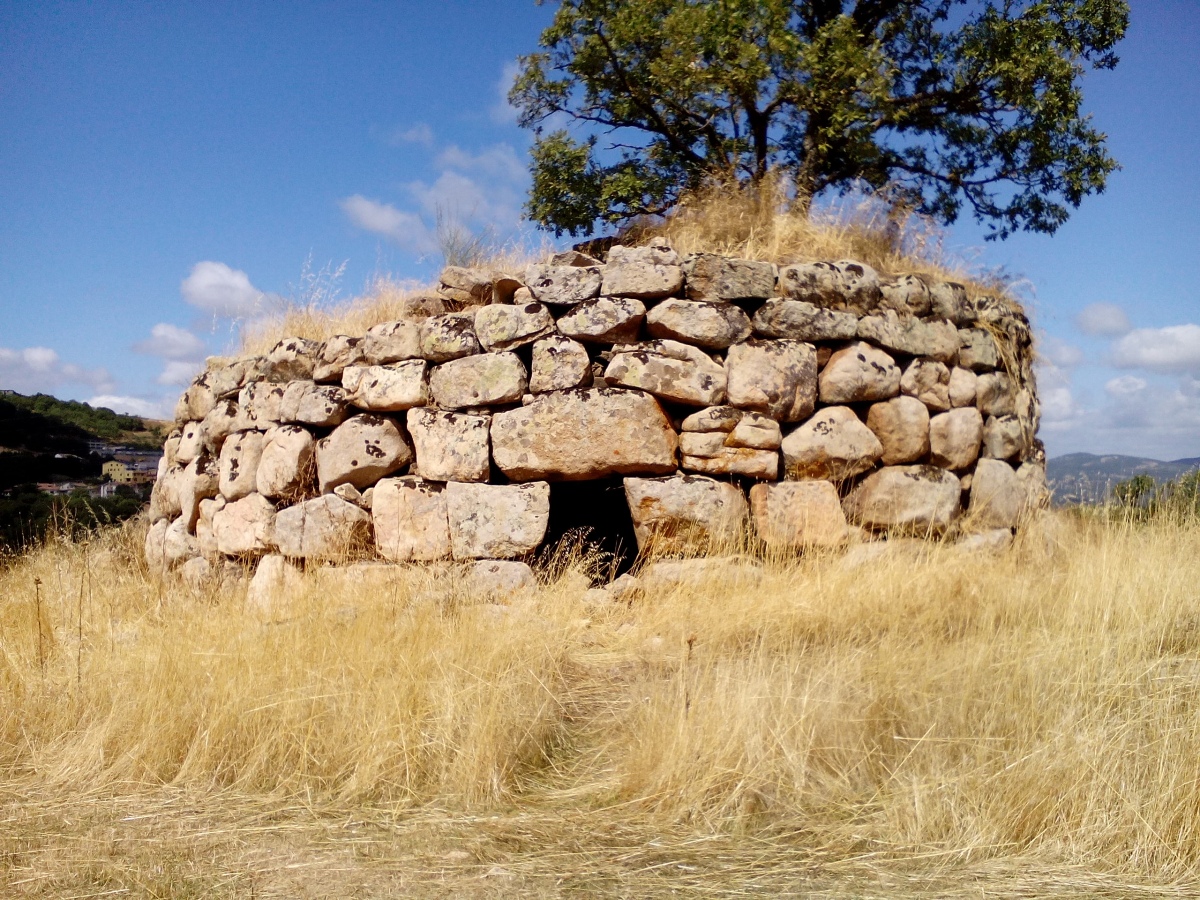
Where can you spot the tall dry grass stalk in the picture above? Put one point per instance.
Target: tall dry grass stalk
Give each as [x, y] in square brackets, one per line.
[929, 704]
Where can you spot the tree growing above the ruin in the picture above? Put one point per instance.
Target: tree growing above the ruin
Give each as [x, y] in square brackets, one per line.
[946, 104]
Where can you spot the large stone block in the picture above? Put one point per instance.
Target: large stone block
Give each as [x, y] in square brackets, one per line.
[1003, 437]
[319, 405]
[797, 514]
[237, 466]
[360, 451]
[928, 381]
[978, 351]
[494, 521]
[325, 527]
[389, 388]
[559, 364]
[246, 526]
[482, 380]
[285, 465]
[644, 273]
[719, 278]
[920, 499]
[607, 320]
[998, 496]
[845, 284]
[684, 512]
[293, 359]
[503, 327]
[448, 337]
[803, 321]
[859, 373]
[411, 520]
[337, 352]
[995, 394]
[711, 325]
[713, 453]
[955, 437]
[670, 370]
[948, 300]
[262, 402]
[450, 446]
[902, 426]
[777, 378]
[963, 383]
[198, 481]
[585, 434]
[907, 295]
[563, 285]
[391, 342]
[936, 339]
[834, 444]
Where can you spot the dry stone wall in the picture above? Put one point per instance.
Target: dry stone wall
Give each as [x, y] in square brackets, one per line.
[810, 402]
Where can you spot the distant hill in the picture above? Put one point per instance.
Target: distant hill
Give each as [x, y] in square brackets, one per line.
[1088, 478]
[98, 422]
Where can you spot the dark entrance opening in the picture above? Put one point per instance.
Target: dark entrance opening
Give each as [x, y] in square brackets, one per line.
[594, 514]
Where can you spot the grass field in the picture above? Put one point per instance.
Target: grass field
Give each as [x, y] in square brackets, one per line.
[931, 722]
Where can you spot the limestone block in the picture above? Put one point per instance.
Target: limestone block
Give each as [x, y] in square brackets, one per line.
[197, 401]
[448, 337]
[391, 342]
[508, 327]
[262, 401]
[755, 432]
[902, 426]
[293, 359]
[640, 280]
[205, 536]
[859, 373]
[198, 573]
[711, 325]
[955, 437]
[726, 460]
[948, 300]
[224, 419]
[715, 418]
[421, 306]
[319, 405]
[921, 499]
[246, 526]
[411, 520]
[489, 577]
[777, 378]
[466, 285]
[237, 467]
[1003, 437]
[584, 434]
[360, 451]
[803, 321]
[325, 527]
[607, 320]
[168, 545]
[494, 521]
[388, 388]
[337, 352]
[670, 370]
[994, 394]
[450, 446]
[164, 496]
[285, 465]
[834, 445]
[978, 350]
[684, 512]
[907, 295]
[274, 588]
[798, 514]
[846, 284]
[574, 258]
[963, 383]
[929, 381]
[655, 253]
[482, 380]
[192, 442]
[935, 338]
[719, 278]
[198, 481]
[565, 285]
[559, 364]
[1032, 475]
[998, 496]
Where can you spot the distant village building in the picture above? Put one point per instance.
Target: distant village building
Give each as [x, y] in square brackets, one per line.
[129, 473]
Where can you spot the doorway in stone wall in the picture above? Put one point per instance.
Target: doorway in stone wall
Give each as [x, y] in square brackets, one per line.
[596, 515]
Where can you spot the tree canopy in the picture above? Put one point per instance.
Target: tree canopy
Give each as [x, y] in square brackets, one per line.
[943, 103]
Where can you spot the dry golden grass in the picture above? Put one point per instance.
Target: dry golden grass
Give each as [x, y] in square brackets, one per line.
[932, 722]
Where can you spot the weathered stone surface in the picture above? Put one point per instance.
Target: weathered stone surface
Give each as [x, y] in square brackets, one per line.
[388, 388]
[963, 383]
[608, 320]
[411, 520]
[670, 370]
[246, 526]
[775, 377]
[1032, 475]
[655, 253]
[954, 438]
[488, 378]
[450, 446]
[997, 496]
[907, 295]
[1003, 437]
[494, 521]
[935, 338]
[467, 286]
[578, 435]
[719, 278]
[337, 352]
[978, 351]
[198, 481]
[948, 300]
[325, 527]
[508, 327]
[922, 499]
[168, 545]
[360, 451]
[574, 258]
[489, 577]
[274, 588]
[192, 442]
[902, 426]
[263, 403]
[224, 419]
[238, 464]
[391, 342]
[726, 460]
[559, 364]
[164, 496]
[351, 494]
[797, 514]
[205, 536]
[197, 401]
[845, 284]
[834, 444]
[643, 280]
[928, 381]
[293, 359]
[448, 337]
[994, 394]
[859, 373]
[419, 306]
[715, 418]
[684, 512]
[305, 403]
[565, 285]
[711, 325]
[756, 432]
[198, 573]
[285, 465]
[803, 321]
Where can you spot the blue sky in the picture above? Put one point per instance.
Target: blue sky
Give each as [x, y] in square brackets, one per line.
[168, 171]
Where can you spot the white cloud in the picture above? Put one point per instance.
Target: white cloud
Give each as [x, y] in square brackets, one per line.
[179, 372]
[404, 228]
[34, 370]
[502, 112]
[1125, 386]
[1058, 352]
[1103, 320]
[224, 291]
[1060, 409]
[1174, 349]
[134, 406]
[418, 134]
[171, 342]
